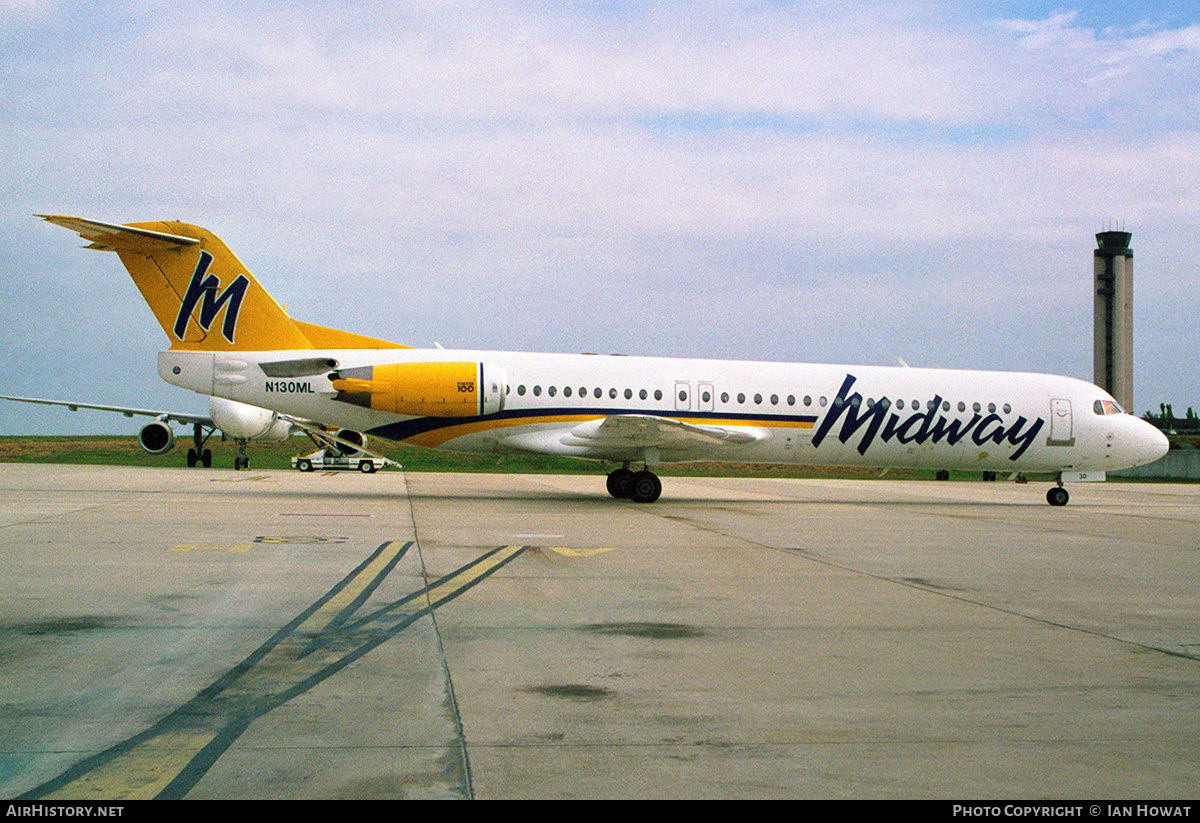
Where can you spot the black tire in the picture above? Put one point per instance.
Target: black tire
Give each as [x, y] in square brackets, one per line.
[304, 465]
[620, 484]
[646, 487]
[191, 458]
[366, 466]
[1057, 496]
[206, 458]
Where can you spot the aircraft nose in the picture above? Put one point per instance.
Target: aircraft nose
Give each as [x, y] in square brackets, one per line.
[1132, 442]
[1157, 445]
[1149, 443]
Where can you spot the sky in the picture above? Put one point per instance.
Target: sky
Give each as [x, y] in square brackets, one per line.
[806, 182]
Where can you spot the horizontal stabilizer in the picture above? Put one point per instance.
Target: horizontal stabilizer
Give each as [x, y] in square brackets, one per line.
[112, 237]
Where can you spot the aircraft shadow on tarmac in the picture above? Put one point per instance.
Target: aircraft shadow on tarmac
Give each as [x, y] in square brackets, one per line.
[168, 759]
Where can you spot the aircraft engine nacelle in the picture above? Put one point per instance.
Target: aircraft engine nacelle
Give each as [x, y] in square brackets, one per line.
[280, 430]
[350, 436]
[156, 438]
[432, 389]
[242, 422]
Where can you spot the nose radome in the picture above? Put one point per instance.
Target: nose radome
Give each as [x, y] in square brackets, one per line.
[1158, 444]
[1147, 443]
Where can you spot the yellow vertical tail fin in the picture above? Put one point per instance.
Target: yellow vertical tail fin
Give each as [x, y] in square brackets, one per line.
[202, 295]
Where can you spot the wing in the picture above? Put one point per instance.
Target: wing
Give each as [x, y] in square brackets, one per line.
[644, 430]
[166, 417]
[628, 436]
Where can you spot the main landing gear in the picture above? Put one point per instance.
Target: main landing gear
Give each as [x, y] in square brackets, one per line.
[198, 455]
[242, 461]
[640, 487]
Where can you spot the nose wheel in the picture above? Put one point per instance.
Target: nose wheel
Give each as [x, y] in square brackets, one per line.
[1057, 496]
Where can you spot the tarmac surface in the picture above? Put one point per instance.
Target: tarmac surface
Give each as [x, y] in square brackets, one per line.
[267, 634]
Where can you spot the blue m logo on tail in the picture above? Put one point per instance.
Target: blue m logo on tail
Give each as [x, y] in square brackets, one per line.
[206, 287]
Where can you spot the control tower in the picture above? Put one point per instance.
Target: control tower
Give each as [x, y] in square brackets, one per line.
[1114, 316]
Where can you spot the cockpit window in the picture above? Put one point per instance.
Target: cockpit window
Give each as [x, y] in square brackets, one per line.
[1105, 407]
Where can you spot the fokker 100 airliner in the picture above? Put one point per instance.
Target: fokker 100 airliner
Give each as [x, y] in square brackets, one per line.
[230, 339]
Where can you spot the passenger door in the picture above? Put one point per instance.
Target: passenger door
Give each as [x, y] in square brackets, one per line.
[1061, 424]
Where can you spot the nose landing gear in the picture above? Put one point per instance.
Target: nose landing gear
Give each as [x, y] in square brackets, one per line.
[1058, 496]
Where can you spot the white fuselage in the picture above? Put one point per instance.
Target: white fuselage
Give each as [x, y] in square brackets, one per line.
[779, 412]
